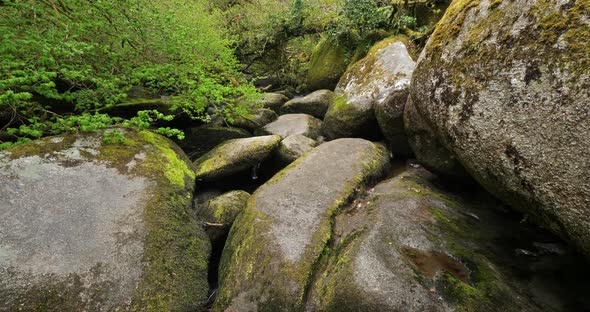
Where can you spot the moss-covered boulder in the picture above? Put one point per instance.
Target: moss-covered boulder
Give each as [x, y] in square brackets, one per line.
[91, 226]
[234, 156]
[315, 104]
[504, 87]
[290, 124]
[200, 140]
[329, 61]
[220, 212]
[378, 80]
[408, 245]
[275, 243]
[255, 119]
[294, 146]
[273, 101]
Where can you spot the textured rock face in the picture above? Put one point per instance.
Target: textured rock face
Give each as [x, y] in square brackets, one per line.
[89, 226]
[410, 246]
[291, 124]
[221, 211]
[379, 80]
[505, 87]
[294, 146]
[234, 156]
[315, 104]
[273, 245]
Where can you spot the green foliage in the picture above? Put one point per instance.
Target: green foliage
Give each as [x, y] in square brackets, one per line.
[63, 60]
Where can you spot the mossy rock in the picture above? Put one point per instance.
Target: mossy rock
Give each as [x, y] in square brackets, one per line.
[504, 87]
[255, 119]
[410, 246]
[200, 140]
[329, 61]
[315, 104]
[95, 226]
[234, 156]
[290, 124]
[220, 212]
[380, 80]
[273, 246]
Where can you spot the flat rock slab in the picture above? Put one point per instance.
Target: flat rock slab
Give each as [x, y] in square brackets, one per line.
[315, 104]
[88, 226]
[291, 124]
[274, 243]
[234, 156]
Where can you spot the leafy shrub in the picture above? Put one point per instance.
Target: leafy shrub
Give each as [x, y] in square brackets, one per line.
[63, 60]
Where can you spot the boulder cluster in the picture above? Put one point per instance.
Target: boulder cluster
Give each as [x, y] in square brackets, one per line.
[459, 181]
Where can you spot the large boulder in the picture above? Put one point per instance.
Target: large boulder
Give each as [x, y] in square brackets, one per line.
[200, 140]
[411, 246]
[89, 226]
[234, 156]
[274, 244]
[315, 104]
[504, 87]
[379, 80]
[291, 124]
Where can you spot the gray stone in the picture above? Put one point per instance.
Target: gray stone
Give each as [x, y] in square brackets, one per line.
[410, 246]
[275, 242]
[504, 88]
[315, 104]
[86, 226]
[295, 146]
[220, 212]
[291, 124]
[273, 101]
[256, 119]
[234, 156]
[378, 80]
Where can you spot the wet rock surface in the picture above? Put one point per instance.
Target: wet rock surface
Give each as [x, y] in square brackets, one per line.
[504, 88]
[275, 242]
[90, 226]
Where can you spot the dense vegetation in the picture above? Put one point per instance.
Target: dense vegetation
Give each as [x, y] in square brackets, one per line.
[64, 61]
